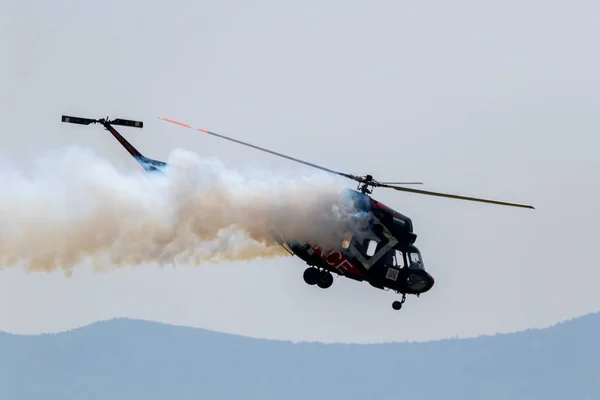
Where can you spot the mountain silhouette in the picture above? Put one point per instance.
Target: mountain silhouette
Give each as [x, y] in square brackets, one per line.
[133, 359]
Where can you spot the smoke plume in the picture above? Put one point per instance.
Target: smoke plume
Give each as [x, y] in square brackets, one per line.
[76, 208]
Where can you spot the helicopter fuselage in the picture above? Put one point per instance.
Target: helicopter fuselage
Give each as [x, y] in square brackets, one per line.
[384, 254]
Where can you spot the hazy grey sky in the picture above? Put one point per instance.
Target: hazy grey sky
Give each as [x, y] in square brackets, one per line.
[495, 98]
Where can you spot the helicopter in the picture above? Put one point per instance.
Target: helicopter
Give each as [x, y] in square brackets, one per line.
[383, 255]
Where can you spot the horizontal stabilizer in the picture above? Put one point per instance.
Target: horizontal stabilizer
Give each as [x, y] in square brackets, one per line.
[149, 164]
[127, 122]
[77, 120]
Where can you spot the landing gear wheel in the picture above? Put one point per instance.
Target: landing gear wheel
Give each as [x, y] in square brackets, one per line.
[312, 276]
[397, 305]
[325, 280]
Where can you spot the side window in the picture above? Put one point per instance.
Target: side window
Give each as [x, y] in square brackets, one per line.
[399, 259]
[371, 247]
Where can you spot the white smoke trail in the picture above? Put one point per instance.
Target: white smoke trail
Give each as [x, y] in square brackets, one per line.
[76, 207]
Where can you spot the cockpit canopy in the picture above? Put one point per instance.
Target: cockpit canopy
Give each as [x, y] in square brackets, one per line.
[410, 257]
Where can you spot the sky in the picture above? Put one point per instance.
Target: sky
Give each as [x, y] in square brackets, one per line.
[493, 99]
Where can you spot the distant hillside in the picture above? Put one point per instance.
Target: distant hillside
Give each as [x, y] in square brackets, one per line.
[129, 359]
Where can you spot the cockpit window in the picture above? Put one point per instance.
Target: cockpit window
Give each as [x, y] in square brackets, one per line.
[415, 261]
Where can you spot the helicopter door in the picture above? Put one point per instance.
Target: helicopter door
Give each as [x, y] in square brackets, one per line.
[370, 252]
[394, 261]
[394, 258]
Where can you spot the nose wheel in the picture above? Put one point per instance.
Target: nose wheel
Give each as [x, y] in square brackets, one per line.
[397, 305]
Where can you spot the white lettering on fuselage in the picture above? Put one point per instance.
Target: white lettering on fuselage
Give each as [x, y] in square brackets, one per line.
[336, 260]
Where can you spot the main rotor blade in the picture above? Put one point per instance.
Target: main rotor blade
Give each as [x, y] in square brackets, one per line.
[454, 196]
[356, 178]
[401, 183]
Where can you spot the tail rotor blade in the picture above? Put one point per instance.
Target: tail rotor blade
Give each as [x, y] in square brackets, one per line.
[77, 120]
[127, 122]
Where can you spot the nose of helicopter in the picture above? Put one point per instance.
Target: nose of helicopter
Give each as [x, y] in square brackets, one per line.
[421, 281]
[431, 281]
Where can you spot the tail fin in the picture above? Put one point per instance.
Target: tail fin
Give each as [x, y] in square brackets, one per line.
[148, 164]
